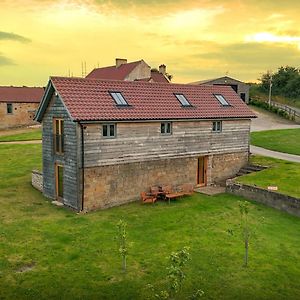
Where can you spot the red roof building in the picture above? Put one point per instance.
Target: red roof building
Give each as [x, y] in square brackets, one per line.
[18, 105]
[137, 70]
[21, 94]
[106, 141]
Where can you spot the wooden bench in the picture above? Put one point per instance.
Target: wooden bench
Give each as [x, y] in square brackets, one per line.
[146, 198]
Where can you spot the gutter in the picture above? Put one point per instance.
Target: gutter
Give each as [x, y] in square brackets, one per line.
[82, 167]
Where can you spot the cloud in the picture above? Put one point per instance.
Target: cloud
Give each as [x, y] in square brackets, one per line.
[5, 61]
[14, 37]
[257, 54]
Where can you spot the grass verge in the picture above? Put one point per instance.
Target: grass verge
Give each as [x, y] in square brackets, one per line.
[32, 134]
[285, 140]
[283, 174]
[52, 253]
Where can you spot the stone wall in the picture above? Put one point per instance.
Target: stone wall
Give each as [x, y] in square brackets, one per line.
[37, 180]
[224, 166]
[107, 186]
[276, 200]
[22, 115]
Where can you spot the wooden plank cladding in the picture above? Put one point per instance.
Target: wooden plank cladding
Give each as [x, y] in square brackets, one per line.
[143, 141]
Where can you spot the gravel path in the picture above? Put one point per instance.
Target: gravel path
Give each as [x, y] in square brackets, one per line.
[269, 121]
[275, 154]
[22, 142]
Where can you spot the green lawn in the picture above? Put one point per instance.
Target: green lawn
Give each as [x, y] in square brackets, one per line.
[283, 174]
[32, 134]
[52, 253]
[285, 140]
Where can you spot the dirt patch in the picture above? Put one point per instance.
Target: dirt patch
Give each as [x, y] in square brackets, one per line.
[26, 268]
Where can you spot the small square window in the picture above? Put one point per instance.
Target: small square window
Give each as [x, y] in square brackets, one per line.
[166, 128]
[217, 126]
[222, 99]
[109, 130]
[9, 108]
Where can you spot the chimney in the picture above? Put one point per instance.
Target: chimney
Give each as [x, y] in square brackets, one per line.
[162, 69]
[120, 62]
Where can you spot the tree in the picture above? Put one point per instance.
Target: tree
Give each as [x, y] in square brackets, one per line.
[122, 241]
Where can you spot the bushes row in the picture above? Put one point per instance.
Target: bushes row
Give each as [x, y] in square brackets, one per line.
[271, 108]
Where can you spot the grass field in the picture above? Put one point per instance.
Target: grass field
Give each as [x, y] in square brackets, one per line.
[285, 140]
[52, 253]
[32, 134]
[283, 174]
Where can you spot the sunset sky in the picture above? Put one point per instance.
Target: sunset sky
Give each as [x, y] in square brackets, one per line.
[195, 39]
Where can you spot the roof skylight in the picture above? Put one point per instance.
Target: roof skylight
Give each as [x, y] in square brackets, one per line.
[119, 98]
[182, 99]
[222, 99]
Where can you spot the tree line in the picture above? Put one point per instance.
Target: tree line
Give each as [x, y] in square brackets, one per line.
[285, 82]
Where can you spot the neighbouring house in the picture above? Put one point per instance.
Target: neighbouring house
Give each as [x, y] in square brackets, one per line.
[105, 141]
[133, 71]
[18, 105]
[241, 88]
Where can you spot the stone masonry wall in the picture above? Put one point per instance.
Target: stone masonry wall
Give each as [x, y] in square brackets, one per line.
[113, 185]
[22, 115]
[224, 166]
[37, 180]
[276, 200]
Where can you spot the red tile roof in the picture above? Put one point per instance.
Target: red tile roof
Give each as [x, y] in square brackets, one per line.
[158, 77]
[21, 94]
[113, 72]
[89, 99]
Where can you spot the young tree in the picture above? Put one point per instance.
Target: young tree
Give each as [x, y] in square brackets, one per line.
[122, 242]
[244, 210]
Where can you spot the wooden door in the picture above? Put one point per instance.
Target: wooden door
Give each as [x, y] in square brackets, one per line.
[202, 171]
[59, 182]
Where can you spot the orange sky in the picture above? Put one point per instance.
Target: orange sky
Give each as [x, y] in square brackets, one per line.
[195, 39]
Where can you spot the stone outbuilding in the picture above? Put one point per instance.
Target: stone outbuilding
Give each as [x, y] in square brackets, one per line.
[241, 88]
[18, 105]
[106, 141]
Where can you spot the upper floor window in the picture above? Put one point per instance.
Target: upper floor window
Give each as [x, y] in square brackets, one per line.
[217, 126]
[182, 99]
[119, 98]
[109, 130]
[9, 108]
[222, 99]
[166, 128]
[58, 135]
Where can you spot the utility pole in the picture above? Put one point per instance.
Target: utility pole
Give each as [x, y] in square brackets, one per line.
[270, 89]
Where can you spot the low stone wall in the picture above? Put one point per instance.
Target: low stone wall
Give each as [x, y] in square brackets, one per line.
[37, 180]
[276, 200]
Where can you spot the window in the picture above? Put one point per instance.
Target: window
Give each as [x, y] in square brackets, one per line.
[166, 128]
[109, 130]
[119, 99]
[222, 100]
[182, 100]
[58, 135]
[217, 126]
[9, 108]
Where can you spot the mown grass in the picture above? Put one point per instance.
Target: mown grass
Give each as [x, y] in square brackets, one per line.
[32, 134]
[285, 140]
[283, 174]
[52, 253]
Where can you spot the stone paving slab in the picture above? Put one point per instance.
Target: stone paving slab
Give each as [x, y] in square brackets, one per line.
[210, 190]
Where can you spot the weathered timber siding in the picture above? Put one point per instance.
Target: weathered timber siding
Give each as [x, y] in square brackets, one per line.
[143, 141]
[69, 159]
[22, 115]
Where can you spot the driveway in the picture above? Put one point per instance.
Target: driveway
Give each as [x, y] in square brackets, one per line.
[269, 121]
[275, 154]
